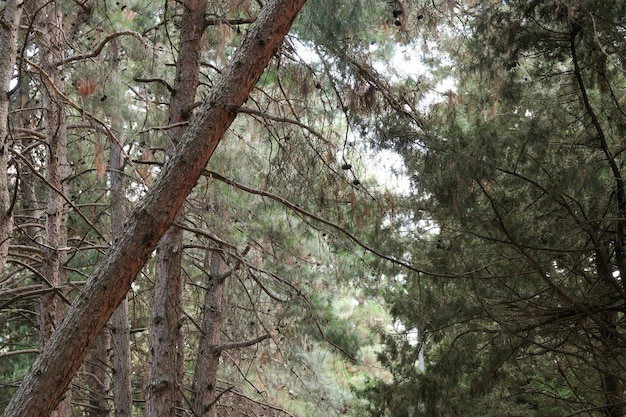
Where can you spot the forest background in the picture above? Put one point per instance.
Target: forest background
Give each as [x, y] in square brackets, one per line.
[299, 272]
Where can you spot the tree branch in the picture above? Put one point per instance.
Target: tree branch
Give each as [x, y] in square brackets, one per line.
[18, 352]
[98, 49]
[156, 80]
[239, 345]
[317, 218]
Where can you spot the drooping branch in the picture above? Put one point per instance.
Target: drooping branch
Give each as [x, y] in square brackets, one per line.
[319, 219]
[156, 80]
[98, 49]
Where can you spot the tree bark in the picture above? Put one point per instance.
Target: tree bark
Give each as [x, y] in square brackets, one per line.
[9, 25]
[43, 386]
[120, 327]
[98, 367]
[119, 324]
[28, 196]
[204, 389]
[164, 393]
[52, 306]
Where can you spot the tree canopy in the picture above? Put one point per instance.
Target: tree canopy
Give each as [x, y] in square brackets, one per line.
[415, 208]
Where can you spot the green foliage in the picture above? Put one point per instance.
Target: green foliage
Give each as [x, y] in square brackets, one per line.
[20, 345]
[517, 169]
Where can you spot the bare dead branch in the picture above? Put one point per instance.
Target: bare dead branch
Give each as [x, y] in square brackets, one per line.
[98, 49]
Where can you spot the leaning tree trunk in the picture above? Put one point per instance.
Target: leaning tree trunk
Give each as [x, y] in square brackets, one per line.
[9, 25]
[164, 390]
[43, 386]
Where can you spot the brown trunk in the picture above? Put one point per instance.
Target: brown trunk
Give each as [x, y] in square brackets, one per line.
[120, 328]
[98, 378]
[28, 198]
[120, 335]
[9, 25]
[43, 386]
[204, 390]
[164, 392]
[52, 307]
[612, 384]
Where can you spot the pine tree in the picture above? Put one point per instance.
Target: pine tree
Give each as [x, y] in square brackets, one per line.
[519, 292]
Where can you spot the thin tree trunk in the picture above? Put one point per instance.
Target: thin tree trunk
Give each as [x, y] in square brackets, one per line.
[163, 396]
[52, 306]
[164, 389]
[9, 25]
[120, 327]
[98, 381]
[204, 389]
[612, 383]
[28, 197]
[43, 386]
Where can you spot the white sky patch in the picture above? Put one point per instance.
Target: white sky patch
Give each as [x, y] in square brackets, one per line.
[403, 64]
[406, 62]
[387, 166]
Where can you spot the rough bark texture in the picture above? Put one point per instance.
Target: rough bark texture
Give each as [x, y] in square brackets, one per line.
[28, 197]
[164, 393]
[163, 396]
[99, 382]
[9, 25]
[120, 380]
[120, 327]
[204, 390]
[52, 306]
[43, 386]
[119, 324]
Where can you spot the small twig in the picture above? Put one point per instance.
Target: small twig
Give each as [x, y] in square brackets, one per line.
[214, 21]
[218, 396]
[156, 80]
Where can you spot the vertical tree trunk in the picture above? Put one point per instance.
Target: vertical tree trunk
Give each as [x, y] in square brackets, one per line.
[43, 386]
[164, 393]
[98, 382]
[52, 306]
[28, 197]
[9, 25]
[204, 389]
[612, 384]
[120, 327]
